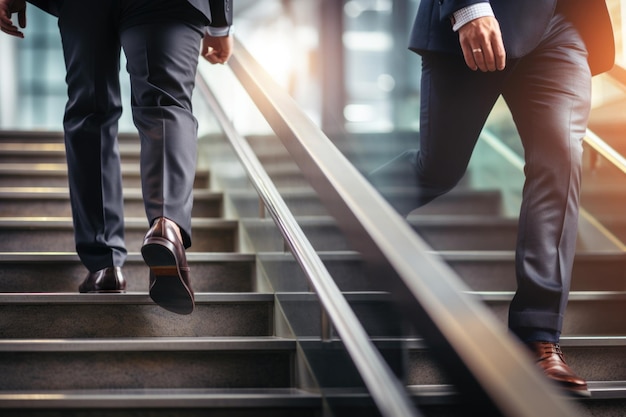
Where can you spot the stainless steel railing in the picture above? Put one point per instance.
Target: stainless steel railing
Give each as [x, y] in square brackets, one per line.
[389, 395]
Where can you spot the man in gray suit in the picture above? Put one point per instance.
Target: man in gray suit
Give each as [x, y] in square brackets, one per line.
[539, 55]
[162, 40]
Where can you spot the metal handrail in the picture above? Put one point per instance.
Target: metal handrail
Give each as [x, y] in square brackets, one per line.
[470, 342]
[387, 392]
[604, 149]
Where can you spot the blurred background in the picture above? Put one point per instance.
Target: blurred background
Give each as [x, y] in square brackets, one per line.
[345, 62]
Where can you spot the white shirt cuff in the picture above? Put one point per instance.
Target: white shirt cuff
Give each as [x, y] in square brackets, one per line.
[469, 13]
[220, 31]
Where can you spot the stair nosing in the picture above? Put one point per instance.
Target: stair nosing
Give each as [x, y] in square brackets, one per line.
[443, 393]
[58, 193]
[48, 168]
[52, 257]
[130, 222]
[417, 343]
[509, 255]
[495, 296]
[130, 298]
[145, 344]
[165, 398]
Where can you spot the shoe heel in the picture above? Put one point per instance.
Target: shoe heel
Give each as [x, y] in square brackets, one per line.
[158, 252]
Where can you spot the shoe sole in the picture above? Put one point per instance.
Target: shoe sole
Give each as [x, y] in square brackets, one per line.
[168, 289]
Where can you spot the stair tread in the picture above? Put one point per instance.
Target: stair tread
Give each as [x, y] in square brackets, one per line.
[130, 222]
[233, 397]
[54, 147]
[136, 298]
[574, 296]
[63, 193]
[52, 167]
[132, 257]
[417, 343]
[598, 389]
[168, 397]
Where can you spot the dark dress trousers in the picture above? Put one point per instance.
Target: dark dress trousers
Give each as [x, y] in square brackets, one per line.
[161, 42]
[551, 54]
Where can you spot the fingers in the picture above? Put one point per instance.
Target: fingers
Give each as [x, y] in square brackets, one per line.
[482, 46]
[487, 58]
[474, 58]
[11, 30]
[213, 57]
[217, 50]
[7, 26]
[21, 18]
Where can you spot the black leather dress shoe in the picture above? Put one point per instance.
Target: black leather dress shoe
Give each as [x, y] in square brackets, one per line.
[105, 280]
[549, 358]
[164, 253]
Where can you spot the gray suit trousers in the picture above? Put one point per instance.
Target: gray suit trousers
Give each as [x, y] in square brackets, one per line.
[549, 94]
[161, 41]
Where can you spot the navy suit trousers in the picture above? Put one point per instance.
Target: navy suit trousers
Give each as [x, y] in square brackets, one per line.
[161, 41]
[548, 93]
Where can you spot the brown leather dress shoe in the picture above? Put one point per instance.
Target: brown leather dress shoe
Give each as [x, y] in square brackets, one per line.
[105, 280]
[549, 358]
[164, 253]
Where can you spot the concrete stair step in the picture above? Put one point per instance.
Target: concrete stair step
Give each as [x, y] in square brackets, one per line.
[599, 359]
[54, 202]
[480, 270]
[443, 400]
[23, 234]
[388, 143]
[463, 201]
[441, 232]
[282, 180]
[48, 136]
[52, 152]
[192, 402]
[55, 175]
[130, 315]
[347, 268]
[478, 233]
[304, 202]
[373, 309]
[322, 233]
[63, 272]
[146, 363]
[495, 270]
[589, 313]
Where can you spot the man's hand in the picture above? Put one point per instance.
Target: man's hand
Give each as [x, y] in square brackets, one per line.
[7, 8]
[482, 44]
[216, 49]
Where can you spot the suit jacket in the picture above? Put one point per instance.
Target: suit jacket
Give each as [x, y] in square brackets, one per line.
[218, 12]
[522, 22]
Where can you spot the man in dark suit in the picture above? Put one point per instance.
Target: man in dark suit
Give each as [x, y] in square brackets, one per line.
[539, 55]
[162, 40]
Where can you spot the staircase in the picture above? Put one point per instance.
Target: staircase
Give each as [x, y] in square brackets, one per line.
[70, 354]
[236, 355]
